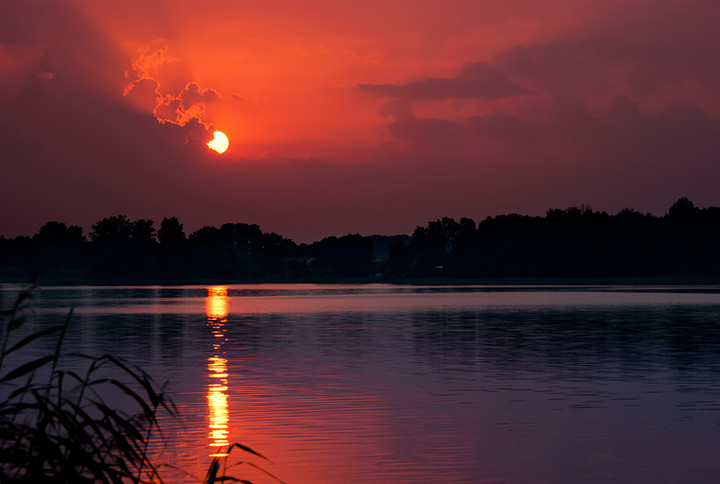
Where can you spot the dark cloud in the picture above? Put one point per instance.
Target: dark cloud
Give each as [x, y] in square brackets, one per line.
[477, 80]
[437, 135]
[628, 113]
[144, 95]
[193, 94]
[504, 126]
[169, 110]
[617, 146]
[434, 134]
[68, 46]
[398, 109]
[602, 66]
[568, 67]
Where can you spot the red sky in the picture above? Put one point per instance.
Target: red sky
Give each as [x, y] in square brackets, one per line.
[370, 117]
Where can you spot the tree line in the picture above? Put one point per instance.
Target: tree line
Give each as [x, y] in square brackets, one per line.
[572, 243]
[118, 248]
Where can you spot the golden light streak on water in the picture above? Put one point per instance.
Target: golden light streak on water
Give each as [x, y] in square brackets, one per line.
[218, 418]
[216, 308]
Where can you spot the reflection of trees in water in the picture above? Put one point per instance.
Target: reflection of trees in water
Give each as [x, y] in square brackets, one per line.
[632, 340]
[251, 334]
[638, 340]
[254, 336]
[144, 339]
[344, 332]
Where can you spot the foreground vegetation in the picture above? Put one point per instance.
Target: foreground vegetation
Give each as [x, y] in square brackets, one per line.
[56, 425]
[575, 243]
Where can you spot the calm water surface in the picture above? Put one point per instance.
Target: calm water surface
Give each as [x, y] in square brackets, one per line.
[380, 383]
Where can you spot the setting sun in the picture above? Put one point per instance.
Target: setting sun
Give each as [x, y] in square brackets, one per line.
[219, 143]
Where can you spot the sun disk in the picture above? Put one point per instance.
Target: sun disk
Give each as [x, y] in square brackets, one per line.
[219, 143]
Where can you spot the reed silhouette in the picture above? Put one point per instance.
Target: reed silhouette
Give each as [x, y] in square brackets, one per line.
[58, 425]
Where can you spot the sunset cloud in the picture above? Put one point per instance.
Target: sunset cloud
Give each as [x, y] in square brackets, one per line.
[146, 67]
[437, 135]
[190, 104]
[600, 67]
[478, 80]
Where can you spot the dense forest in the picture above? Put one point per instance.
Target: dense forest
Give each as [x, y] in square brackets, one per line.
[572, 243]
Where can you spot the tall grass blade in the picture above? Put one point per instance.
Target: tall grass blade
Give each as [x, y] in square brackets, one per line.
[63, 430]
[147, 411]
[61, 338]
[27, 368]
[266, 472]
[25, 341]
[15, 323]
[246, 449]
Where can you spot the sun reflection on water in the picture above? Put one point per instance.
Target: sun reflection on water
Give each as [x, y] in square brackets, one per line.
[216, 308]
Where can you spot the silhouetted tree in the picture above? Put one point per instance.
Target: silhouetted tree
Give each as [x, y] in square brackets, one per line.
[433, 248]
[58, 233]
[573, 242]
[399, 262]
[276, 255]
[122, 248]
[173, 247]
[17, 260]
[143, 232]
[245, 242]
[210, 253]
[111, 231]
[347, 256]
[683, 208]
[171, 232]
[60, 249]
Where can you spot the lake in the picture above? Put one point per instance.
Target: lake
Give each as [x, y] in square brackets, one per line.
[386, 383]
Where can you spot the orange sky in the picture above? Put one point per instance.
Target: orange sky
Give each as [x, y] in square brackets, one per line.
[286, 72]
[370, 116]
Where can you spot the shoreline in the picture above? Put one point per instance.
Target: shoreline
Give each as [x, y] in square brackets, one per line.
[419, 281]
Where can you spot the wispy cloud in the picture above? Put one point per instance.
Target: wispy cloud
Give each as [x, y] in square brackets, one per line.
[477, 80]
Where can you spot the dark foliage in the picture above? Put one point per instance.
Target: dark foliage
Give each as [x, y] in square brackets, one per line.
[55, 426]
[346, 256]
[59, 425]
[573, 243]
